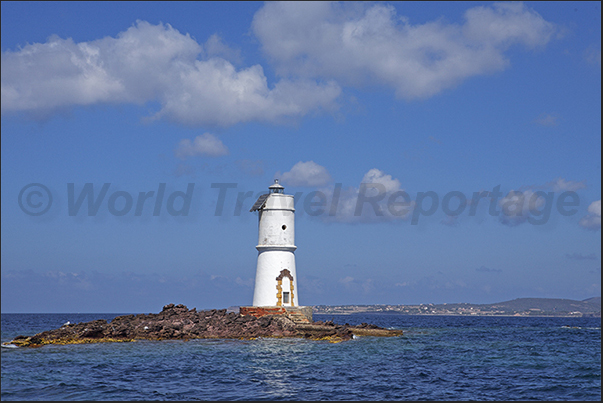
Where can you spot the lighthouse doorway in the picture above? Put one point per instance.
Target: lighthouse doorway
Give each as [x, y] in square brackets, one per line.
[284, 289]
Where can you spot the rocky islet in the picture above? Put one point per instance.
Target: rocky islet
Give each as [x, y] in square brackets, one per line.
[177, 322]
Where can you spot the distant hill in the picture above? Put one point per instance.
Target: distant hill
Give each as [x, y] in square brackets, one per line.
[550, 305]
[516, 307]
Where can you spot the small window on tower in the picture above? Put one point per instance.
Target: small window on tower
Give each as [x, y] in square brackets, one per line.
[284, 227]
[285, 297]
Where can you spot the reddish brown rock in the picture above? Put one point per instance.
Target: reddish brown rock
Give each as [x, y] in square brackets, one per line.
[177, 322]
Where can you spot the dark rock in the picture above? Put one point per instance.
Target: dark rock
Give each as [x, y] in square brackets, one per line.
[178, 322]
[93, 333]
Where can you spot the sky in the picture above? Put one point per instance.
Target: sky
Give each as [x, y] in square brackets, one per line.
[438, 152]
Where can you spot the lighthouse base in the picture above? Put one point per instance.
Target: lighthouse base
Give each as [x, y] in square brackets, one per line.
[298, 314]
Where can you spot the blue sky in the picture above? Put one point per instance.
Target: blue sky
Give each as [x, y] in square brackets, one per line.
[473, 128]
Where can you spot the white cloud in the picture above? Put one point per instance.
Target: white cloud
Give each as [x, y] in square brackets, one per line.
[215, 47]
[370, 202]
[214, 92]
[593, 219]
[153, 63]
[534, 202]
[204, 144]
[346, 280]
[307, 174]
[376, 176]
[561, 185]
[517, 206]
[504, 24]
[369, 43]
[595, 208]
[381, 198]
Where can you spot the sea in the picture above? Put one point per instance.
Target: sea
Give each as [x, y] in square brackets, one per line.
[437, 358]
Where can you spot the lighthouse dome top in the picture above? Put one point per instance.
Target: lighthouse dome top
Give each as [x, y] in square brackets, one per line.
[276, 187]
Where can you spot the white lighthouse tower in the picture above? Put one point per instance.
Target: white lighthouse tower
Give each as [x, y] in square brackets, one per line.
[275, 278]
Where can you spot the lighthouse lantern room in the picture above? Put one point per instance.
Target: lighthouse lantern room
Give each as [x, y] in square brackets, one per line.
[275, 278]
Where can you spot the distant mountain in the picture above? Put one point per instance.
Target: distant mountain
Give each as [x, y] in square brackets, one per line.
[517, 307]
[589, 305]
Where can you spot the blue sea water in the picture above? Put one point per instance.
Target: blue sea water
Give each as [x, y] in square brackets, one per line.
[438, 358]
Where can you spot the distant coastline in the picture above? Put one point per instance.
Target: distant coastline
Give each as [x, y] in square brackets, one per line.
[533, 307]
[590, 307]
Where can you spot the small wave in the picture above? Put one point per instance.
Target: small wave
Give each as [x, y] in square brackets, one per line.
[9, 345]
[580, 327]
